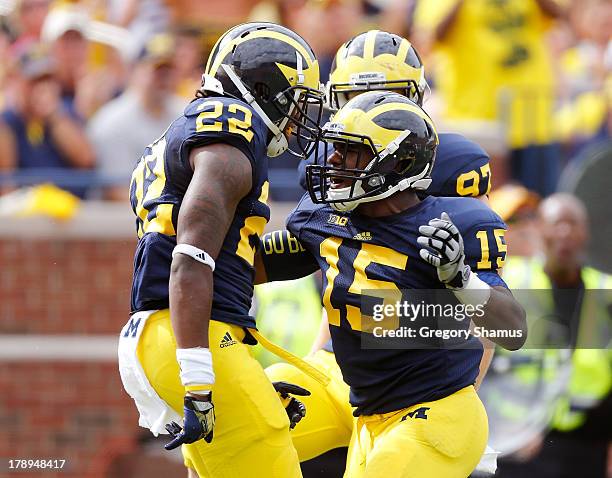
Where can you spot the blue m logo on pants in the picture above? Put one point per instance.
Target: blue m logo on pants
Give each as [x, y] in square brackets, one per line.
[132, 327]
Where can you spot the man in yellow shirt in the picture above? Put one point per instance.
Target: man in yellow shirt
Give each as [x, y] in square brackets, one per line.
[494, 66]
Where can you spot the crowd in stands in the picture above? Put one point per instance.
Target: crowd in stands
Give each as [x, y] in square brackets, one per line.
[86, 85]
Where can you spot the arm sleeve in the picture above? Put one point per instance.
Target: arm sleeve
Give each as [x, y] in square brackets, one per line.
[461, 168]
[284, 258]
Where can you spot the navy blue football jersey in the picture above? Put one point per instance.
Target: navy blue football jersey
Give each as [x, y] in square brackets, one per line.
[357, 253]
[461, 168]
[159, 183]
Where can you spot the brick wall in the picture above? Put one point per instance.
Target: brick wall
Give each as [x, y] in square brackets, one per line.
[65, 286]
[72, 411]
[52, 283]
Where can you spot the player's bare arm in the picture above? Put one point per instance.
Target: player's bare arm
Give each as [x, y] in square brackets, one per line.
[447, 22]
[443, 248]
[503, 312]
[260, 271]
[221, 177]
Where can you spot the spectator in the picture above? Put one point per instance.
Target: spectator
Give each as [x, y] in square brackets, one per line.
[188, 59]
[64, 31]
[67, 30]
[578, 442]
[35, 130]
[326, 24]
[121, 129]
[495, 66]
[143, 18]
[582, 120]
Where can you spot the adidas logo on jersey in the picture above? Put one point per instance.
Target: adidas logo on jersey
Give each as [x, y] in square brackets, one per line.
[363, 236]
[227, 340]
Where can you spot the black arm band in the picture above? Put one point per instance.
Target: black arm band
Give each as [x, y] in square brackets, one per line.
[284, 258]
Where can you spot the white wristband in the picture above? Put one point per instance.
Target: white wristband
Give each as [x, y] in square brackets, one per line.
[196, 366]
[195, 253]
[476, 291]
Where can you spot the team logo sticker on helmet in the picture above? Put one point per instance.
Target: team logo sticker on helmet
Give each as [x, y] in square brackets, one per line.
[386, 143]
[375, 60]
[275, 71]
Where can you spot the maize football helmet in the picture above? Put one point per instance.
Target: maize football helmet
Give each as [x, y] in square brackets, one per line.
[275, 71]
[376, 60]
[394, 135]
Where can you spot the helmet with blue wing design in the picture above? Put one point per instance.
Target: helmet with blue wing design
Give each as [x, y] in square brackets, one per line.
[274, 70]
[377, 144]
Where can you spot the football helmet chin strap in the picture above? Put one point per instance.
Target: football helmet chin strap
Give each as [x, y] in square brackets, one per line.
[415, 182]
[278, 144]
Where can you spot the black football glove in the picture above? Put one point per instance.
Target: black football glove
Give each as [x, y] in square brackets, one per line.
[295, 409]
[198, 423]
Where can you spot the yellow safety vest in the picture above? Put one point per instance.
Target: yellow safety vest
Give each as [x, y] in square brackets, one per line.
[288, 313]
[591, 377]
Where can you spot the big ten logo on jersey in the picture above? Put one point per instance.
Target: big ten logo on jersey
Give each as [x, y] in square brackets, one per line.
[274, 242]
[216, 116]
[337, 220]
[475, 183]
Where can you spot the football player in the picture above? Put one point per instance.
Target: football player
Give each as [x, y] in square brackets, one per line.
[365, 228]
[378, 60]
[374, 60]
[199, 194]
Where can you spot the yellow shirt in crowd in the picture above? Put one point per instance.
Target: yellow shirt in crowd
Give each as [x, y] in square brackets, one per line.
[494, 65]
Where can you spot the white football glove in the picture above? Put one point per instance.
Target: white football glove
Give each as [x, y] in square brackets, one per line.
[443, 248]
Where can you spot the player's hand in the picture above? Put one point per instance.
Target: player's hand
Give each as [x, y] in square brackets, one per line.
[443, 248]
[295, 409]
[198, 423]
